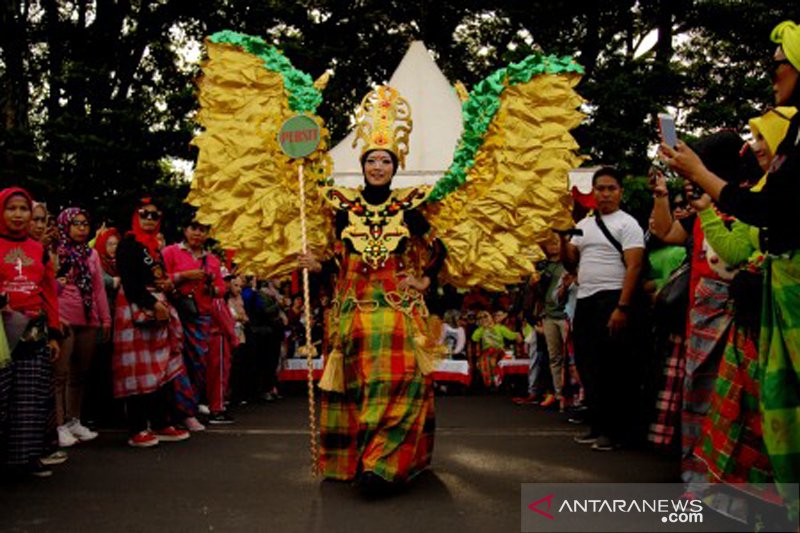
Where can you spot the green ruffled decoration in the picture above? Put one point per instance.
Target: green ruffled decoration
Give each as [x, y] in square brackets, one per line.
[482, 105]
[303, 96]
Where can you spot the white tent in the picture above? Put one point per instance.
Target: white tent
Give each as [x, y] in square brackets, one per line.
[436, 112]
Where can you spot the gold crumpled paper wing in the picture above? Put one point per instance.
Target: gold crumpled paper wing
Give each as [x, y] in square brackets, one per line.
[517, 189]
[244, 187]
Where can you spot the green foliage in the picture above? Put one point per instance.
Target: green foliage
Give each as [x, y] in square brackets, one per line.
[96, 96]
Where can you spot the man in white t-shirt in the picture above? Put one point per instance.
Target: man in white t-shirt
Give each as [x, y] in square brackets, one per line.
[609, 264]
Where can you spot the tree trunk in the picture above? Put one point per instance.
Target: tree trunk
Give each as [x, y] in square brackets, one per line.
[14, 87]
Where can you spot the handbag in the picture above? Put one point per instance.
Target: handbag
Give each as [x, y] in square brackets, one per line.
[186, 306]
[14, 324]
[672, 301]
[675, 291]
[185, 303]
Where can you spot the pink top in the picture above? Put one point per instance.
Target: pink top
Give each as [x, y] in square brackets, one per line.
[179, 258]
[71, 305]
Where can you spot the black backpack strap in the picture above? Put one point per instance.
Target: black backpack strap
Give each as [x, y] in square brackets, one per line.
[614, 242]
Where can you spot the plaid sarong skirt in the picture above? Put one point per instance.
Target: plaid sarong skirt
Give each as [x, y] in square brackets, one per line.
[669, 400]
[779, 366]
[732, 445]
[146, 356]
[709, 323]
[384, 421]
[25, 394]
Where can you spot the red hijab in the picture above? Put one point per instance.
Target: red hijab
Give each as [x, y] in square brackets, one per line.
[109, 263]
[148, 240]
[5, 196]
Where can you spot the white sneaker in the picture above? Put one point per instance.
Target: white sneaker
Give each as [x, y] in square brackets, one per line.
[192, 424]
[203, 409]
[65, 437]
[79, 431]
[55, 458]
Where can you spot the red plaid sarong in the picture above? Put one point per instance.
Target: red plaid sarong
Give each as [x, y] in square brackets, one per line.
[709, 322]
[146, 357]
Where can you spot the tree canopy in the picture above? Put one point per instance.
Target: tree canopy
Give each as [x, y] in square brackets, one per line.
[98, 98]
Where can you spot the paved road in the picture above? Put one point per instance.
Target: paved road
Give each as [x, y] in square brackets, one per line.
[253, 476]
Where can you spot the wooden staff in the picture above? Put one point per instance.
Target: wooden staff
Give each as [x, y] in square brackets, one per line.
[309, 347]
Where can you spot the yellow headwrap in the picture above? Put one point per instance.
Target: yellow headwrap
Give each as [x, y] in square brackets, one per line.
[787, 34]
[773, 125]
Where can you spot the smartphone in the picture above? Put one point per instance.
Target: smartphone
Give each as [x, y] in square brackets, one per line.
[666, 125]
[694, 192]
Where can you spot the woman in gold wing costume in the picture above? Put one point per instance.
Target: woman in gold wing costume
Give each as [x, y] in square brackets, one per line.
[379, 426]
[507, 186]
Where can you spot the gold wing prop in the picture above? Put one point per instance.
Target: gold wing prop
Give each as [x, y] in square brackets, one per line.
[508, 184]
[244, 186]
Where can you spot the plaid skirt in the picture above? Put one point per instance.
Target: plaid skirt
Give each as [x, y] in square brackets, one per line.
[486, 363]
[732, 445]
[146, 356]
[384, 421]
[25, 398]
[666, 423]
[190, 386]
[709, 323]
[779, 363]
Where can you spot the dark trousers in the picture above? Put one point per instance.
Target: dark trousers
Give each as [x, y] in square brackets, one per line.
[604, 364]
[153, 408]
[241, 374]
[264, 345]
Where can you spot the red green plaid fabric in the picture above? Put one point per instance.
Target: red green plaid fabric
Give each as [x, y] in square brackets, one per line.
[709, 322]
[384, 422]
[732, 445]
[486, 363]
[145, 357]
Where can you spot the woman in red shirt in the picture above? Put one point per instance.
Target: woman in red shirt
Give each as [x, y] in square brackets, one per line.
[31, 321]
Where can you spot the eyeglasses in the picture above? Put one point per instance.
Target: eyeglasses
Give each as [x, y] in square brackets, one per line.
[80, 223]
[149, 214]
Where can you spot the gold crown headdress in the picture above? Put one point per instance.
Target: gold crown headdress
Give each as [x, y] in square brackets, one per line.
[384, 122]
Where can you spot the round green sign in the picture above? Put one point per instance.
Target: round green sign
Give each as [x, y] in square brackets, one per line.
[299, 136]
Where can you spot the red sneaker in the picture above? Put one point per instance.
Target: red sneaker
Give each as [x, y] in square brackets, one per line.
[143, 439]
[171, 434]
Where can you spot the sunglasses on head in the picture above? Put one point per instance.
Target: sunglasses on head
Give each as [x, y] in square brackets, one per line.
[149, 214]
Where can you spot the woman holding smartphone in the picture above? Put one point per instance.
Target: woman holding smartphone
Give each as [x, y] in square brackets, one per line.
[773, 209]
